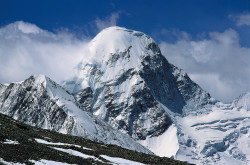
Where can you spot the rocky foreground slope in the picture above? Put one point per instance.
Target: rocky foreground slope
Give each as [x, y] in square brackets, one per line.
[24, 144]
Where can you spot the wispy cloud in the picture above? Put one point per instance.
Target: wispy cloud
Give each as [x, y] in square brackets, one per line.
[25, 49]
[241, 19]
[110, 20]
[218, 62]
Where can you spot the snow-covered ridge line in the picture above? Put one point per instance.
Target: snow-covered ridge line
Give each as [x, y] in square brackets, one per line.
[41, 102]
[243, 101]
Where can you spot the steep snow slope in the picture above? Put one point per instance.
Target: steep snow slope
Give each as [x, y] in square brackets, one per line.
[166, 144]
[124, 78]
[40, 102]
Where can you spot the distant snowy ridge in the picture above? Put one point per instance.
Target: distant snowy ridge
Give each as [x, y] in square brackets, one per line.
[243, 101]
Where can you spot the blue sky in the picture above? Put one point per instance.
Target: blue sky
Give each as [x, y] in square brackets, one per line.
[193, 16]
[209, 39]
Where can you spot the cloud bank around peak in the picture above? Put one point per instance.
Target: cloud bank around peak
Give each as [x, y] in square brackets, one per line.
[25, 49]
[218, 63]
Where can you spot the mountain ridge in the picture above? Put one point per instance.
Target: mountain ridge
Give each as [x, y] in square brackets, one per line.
[41, 102]
[124, 84]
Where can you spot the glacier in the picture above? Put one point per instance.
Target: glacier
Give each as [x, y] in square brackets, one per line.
[215, 137]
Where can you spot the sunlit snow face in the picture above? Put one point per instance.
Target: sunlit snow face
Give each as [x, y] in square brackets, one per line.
[115, 40]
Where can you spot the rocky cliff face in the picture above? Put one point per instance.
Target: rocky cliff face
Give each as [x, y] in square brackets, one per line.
[40, 102]
[29, 102]
[194, 96]
[125, 80]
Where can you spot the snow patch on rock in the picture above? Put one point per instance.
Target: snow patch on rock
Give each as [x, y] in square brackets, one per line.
[164, 145]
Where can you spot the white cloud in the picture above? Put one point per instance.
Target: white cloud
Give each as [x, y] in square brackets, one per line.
[111, 20]
[219, 63]
[241, 19]
[25, 49]
[27, 27]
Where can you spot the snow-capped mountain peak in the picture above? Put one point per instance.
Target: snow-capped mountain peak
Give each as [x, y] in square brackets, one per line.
[125, 79]
[114, 50]
[114, 40]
